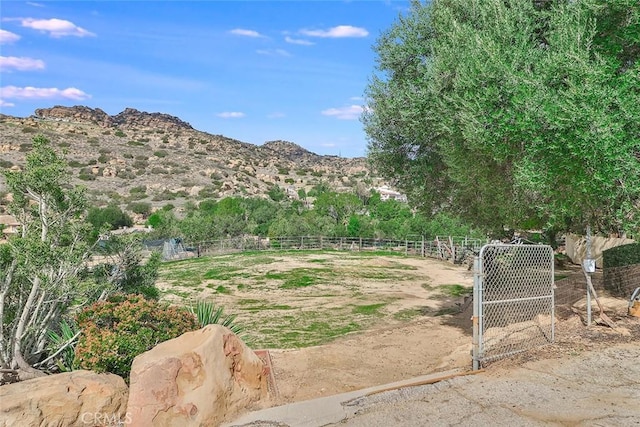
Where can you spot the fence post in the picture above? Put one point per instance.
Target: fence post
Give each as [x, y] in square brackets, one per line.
[360, 246]
[422, 247]
[477, 309]
[453, 250]
[406, 247]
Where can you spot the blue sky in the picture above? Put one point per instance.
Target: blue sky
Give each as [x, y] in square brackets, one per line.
[250, 70]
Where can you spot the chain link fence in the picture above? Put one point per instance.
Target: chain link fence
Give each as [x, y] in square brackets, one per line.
[513, 300]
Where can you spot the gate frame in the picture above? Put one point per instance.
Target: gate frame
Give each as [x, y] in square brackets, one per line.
[478, 313]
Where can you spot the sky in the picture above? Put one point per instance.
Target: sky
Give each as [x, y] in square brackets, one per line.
[255, 71]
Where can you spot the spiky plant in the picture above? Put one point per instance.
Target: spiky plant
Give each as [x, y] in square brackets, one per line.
[208, 314]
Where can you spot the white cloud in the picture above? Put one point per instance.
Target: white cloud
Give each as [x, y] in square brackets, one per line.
[340, 31]
[276, 115]
[301, 42]
[8, 37]
[245, 33]
[352, 112]
[20, 63]
[356, 98]
[273, 52]
[6, 104]
[56, 27]
[30, 3]
[42, 93]
[231, 115]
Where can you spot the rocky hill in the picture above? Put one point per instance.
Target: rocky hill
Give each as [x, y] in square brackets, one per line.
[158, 158]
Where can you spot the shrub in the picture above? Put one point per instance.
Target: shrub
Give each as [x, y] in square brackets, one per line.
[621, 255]
[119, 133]
[135, 144]
[29, 129]
[141, 208]
[140, 164]
[126, 174]
[76, 164]
[86, 175]
[5, 163]
[117, 330]
[160, 153]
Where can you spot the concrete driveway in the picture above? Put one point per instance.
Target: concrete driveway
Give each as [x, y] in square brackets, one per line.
[592, 388]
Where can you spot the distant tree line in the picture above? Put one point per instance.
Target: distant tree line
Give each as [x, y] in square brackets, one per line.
[329, 214]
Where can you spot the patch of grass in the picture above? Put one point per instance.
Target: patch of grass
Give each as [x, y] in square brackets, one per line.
[407, 314]
[368, 310]
[378, 274]
[455, 290]
[298, 282]
[427, 286]
[181, 294]
[220, 273]
[223, 290]
[267, 307]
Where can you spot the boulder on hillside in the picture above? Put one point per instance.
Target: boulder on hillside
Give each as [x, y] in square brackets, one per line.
[201, 378]
[78, 398]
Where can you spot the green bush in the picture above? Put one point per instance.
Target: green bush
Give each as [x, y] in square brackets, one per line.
[160, 153]
[141, 208]
[119, 133]
[117, 330]
[621, 255]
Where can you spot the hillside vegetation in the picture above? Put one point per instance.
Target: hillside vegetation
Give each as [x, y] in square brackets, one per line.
[157, 158]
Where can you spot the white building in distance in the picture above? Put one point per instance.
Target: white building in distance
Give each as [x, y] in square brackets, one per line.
[387, 193]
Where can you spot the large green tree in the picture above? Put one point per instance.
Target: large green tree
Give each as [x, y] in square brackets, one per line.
[513, 112]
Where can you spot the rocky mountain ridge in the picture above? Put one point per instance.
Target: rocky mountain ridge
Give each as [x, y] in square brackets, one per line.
[129, 118]
[157, 158]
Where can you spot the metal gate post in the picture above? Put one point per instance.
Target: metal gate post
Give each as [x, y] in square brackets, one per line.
[477, 309]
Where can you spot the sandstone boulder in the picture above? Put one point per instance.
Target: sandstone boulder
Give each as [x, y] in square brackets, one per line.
[201, 378]
[78, 398]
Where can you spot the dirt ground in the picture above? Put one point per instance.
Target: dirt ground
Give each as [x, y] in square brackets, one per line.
[431, 344]
[383, 354]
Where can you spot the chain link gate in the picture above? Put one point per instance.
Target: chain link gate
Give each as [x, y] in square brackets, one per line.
[513, 300]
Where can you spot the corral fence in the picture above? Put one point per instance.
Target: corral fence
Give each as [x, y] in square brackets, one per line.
[452, 249]
[513, 297]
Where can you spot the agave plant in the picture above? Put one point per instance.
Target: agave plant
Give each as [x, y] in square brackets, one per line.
[62, 346]
[208, 314]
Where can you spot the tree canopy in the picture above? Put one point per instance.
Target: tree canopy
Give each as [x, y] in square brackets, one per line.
[523, 113]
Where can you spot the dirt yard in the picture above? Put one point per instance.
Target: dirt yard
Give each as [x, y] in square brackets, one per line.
[434, 343]
[421, 323]
[385, 353]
